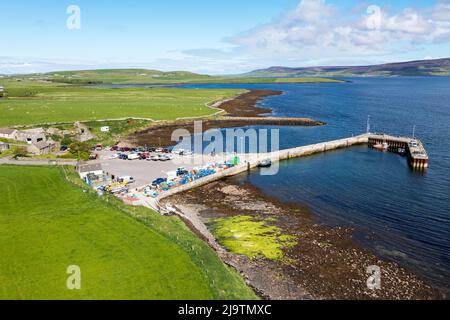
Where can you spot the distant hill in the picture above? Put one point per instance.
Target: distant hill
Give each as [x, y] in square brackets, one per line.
[123, 76]
[438, 67]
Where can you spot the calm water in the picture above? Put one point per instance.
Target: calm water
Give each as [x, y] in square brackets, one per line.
[399, 214]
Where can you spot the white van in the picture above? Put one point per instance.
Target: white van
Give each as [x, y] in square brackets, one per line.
[133, 156]
[126, 179]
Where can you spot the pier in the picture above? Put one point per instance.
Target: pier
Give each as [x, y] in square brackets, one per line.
[417, 155]
[413, 148]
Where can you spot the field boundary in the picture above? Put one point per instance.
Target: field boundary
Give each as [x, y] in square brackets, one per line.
[213, 105]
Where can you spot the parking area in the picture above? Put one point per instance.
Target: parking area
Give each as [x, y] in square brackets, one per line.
[144, 171]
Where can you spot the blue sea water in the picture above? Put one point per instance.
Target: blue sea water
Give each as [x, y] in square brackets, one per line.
[399, 214]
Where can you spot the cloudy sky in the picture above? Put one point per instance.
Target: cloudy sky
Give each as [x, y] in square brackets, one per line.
[218, 37]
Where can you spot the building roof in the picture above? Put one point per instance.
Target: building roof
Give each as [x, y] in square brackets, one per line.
[83, 168]
[7, 131]
[43, 144]
[34, 131]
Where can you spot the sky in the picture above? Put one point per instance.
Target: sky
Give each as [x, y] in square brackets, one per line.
[218, 37]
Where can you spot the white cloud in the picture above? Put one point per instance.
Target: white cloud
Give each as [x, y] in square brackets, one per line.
[318, 30]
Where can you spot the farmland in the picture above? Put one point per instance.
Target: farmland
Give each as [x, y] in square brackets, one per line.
[42, 103]
[49, 223]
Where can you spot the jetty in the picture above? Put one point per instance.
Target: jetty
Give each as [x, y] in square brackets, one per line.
[411, 147]
[414, 148]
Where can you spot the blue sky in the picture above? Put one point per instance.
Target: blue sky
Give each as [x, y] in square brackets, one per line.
[217, 37]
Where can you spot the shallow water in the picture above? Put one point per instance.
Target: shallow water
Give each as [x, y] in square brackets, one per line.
[400, 214]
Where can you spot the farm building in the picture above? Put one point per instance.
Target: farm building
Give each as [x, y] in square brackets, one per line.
[2, 91]
[85, 170]
[7, 133]
[4, 146]
[42, 147]
[32, 136]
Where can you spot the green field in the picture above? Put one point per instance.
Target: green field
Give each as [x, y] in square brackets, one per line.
[49, 224]
[42, 103]
[60, 97]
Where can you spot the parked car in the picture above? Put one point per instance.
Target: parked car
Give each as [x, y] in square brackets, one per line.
[144, 155]
[133, 156]
[126, 179]
[93, 156]
[114, 156]
[182, 172]
[158, 181]
[64, 148]
[164, 158]
[178, 151]
[123, 156]
[154, 158]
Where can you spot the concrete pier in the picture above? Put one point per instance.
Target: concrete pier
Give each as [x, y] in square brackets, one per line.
[417, 157]
[254, 160]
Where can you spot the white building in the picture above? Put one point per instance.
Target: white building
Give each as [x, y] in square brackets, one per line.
[7, 133]
[32, 136]
[4, 146]
[85, 170]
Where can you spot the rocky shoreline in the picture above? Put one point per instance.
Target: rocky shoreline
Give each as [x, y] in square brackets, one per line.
[238, 112]
[325, 263]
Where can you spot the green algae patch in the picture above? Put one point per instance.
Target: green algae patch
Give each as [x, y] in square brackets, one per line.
[247, 236]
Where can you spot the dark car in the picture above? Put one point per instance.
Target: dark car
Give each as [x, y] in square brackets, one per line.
[159, 181]
[64, 148]
[144, 155]
[182, 172]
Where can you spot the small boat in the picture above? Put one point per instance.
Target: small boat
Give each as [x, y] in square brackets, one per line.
[265, 163]
[382, 147]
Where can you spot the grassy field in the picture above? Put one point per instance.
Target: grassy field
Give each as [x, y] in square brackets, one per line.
[118, 129]
[124, 252]
[36, 104]
[59, 97]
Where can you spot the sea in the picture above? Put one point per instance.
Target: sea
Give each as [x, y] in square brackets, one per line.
[399, 214]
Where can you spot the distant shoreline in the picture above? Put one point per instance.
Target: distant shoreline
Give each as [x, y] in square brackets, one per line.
[240, 111]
